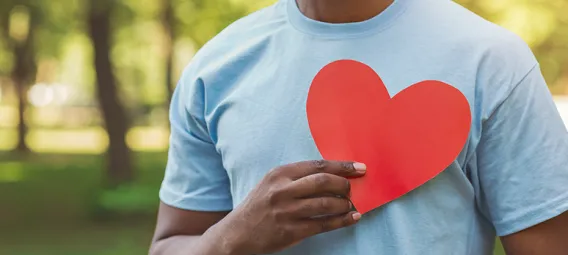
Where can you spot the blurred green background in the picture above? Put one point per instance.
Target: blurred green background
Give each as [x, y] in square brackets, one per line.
[71, 184]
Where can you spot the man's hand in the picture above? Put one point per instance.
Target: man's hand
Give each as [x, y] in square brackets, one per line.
[291, 203]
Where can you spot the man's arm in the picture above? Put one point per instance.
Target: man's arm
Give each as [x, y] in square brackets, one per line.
[291, 203]
[522, 167]
[549, 237]
[179, 231]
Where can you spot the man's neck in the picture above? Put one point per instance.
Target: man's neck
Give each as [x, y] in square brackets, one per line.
[342, 11]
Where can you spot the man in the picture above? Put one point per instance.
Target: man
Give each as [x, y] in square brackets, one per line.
[241, 176]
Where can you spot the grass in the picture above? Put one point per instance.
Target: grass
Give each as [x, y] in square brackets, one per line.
[55, 205]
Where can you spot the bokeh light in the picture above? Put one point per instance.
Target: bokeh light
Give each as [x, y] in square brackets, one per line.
[40, 95]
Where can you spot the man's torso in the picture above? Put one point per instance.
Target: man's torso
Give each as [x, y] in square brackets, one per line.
[255, 109]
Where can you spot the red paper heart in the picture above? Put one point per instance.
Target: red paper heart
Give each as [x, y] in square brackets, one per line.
[404, 141]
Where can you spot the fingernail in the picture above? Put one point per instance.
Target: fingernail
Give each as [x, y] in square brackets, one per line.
[356, 216]
[360, 167]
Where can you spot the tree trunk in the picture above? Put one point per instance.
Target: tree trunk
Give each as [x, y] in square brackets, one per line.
[21, 91]
[168, 23]
[23, 74]
[119, 166]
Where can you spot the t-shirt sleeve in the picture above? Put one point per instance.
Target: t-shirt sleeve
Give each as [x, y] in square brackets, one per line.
[195, 178]
[522, 158]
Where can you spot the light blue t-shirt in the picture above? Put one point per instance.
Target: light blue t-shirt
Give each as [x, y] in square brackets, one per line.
[239, 111]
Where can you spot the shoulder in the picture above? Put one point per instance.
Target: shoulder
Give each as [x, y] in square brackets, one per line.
[230, 53]
[498, 58]
[238, 38]
[464, 30]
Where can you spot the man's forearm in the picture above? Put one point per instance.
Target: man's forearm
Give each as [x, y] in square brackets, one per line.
[179, 245]
[213, 242]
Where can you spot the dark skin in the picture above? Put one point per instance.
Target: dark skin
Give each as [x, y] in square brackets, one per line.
[341, 11]
[277, 213]
[549, 237]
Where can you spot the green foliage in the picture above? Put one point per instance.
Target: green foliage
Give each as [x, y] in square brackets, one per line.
[129, 199]
[200, 20]
[134, 199]
[6, 57]
[60, 19]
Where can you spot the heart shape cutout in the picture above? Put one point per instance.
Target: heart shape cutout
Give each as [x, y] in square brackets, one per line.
[405, 140]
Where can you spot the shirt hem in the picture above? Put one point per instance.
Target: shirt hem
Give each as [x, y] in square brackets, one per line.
[195, 203]
[534, 217]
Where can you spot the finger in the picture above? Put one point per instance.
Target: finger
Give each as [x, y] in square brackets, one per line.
[330, 223]
[340, 168]
[306, 208]
[322, 184]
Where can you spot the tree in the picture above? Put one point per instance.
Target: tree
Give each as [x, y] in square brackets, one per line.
[168, 24]
[119, 166]
[20, 27]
